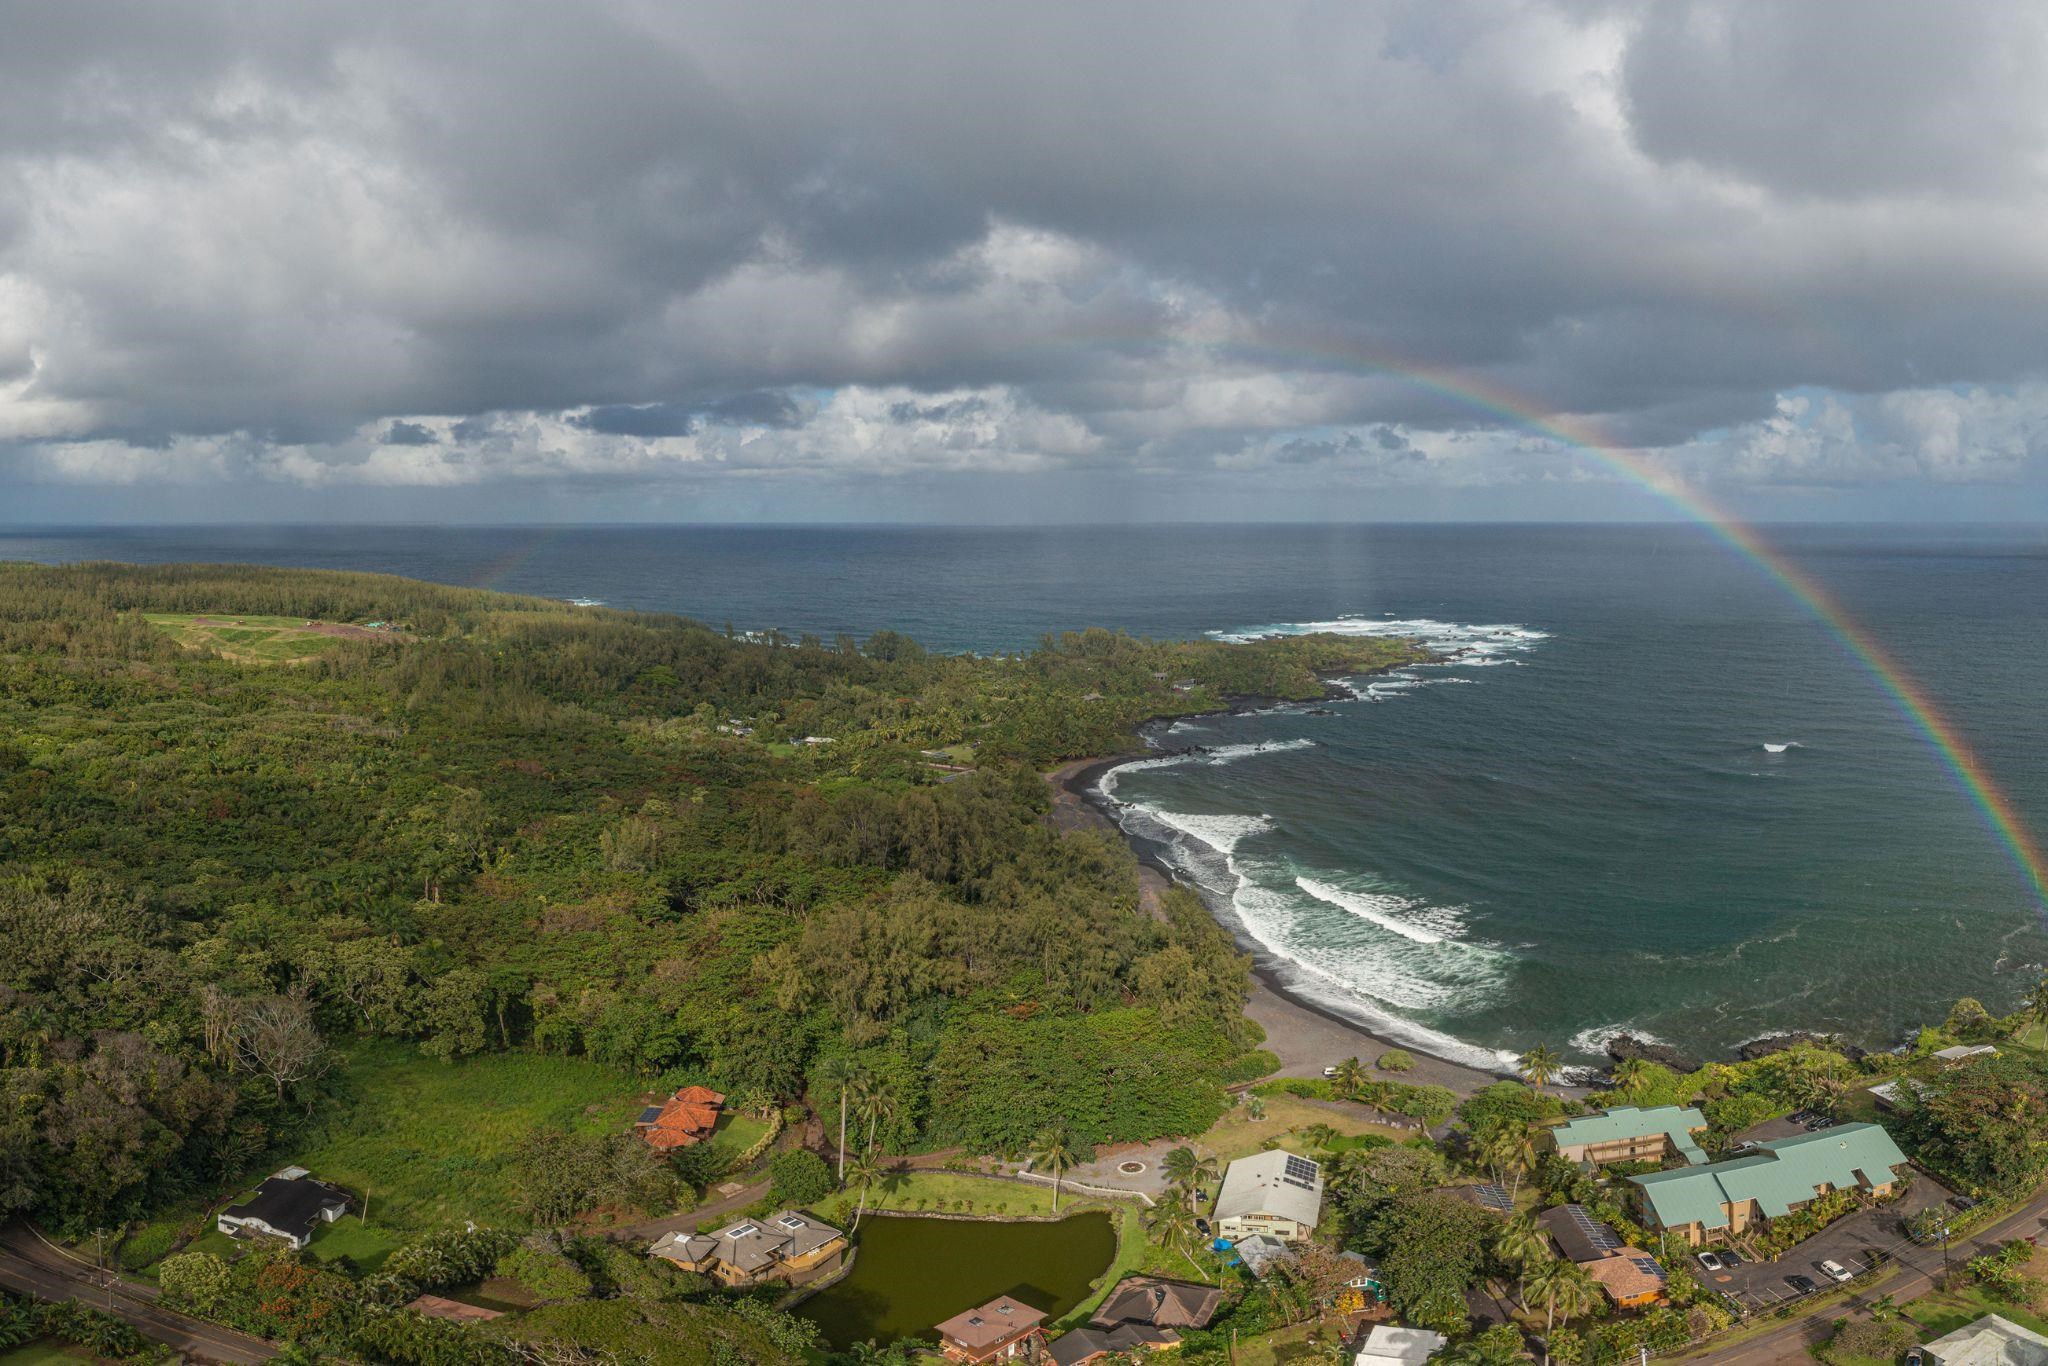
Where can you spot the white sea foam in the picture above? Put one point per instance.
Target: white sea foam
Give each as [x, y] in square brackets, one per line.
[1770, 748]
[1221, 754]
[1594, 1040]
[1402, 915]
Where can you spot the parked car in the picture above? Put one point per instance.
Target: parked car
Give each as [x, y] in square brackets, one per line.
[1836, 1271]
[1805, 1285]
[1962, 1201]
[1731, 1259]
[1822, 1123]
[1710, 1261]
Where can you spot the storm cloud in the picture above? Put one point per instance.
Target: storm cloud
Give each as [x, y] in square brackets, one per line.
[480, 246]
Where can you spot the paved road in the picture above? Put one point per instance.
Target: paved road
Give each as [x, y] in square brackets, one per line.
[1918, 1268]
[30, 1266]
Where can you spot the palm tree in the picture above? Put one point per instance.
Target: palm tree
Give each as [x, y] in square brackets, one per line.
[1631, 1075]
[1187, 1169]
[1540, 1066]
[1319, 1135]
[1350, 1075]
[844, 1073]
[875, 1107]
[1521, 1245]
[1254, 1108]
[1562, 1288]
[1172, 1226]
[1054, 1147]
[864, 1172]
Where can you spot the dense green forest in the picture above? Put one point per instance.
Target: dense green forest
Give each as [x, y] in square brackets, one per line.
[510, 824]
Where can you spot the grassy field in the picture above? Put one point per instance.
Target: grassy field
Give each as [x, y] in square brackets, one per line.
[430, 1145]
[45, 1352]
[1944, 1311]
[1237, 1134]
[958, 1193]
[264, 640]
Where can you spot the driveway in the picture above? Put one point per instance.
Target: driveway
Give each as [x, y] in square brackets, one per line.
[1858, 1241]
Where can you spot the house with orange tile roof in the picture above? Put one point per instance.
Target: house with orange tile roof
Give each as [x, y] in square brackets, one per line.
[685, 1118]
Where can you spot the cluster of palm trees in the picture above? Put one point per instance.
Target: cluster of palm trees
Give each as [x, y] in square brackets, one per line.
[870, 1106]
[1542, 1279]
[1172, 1222]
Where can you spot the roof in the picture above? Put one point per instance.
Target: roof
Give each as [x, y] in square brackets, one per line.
[1964, 1052]
[1627, 1121]
[1777, 1175]
[1082, 1344]
[435, 1307]
[1990, 1341]
[684, 1118]
[1159, 1302]
[1385, 1346]
[289, 1204]
[991, 1324]
[1276, 1183]
[1578, 1235]
[1627, 1273]
[751, 1245]
[1260, 1251]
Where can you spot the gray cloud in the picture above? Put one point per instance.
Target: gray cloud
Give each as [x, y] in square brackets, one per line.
[481, 242]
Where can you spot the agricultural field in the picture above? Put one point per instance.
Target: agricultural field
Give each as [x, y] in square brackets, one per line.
[260, 640]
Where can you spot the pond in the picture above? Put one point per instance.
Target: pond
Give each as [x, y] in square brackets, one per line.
[911, 1273]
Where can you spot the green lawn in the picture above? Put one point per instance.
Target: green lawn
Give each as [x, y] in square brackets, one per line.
[958, 1193]
[251, 638]
[429, 1143]
[1944, 1311]
[46, 1352]
[1237, 1134]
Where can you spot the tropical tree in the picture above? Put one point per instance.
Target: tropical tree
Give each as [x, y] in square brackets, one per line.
[2037, 1000]
[1562, 1289]
[1172, 1226]
[1319, 1135]
[1522, 1245]
[863, 1172]
[1350, 1074]
[1540, 1066]
[1631, 1075]
[1054, 1147]
[1187, 1170]
[1254, 1108]
[876, 1107]
[1500, 1345]
[844, 1074]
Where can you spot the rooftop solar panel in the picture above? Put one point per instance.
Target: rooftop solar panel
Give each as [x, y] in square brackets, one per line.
[1494, 1197]
[650, 1114]
[1648, 1266]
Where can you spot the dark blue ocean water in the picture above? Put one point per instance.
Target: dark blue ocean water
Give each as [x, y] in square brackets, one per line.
[1587, 833]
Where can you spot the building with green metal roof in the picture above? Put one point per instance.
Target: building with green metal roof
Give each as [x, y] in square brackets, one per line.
[1629, 1134]
[1768, 1182]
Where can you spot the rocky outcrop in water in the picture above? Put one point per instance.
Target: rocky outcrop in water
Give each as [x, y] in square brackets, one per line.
[1623, 1047]
[1778, 1043]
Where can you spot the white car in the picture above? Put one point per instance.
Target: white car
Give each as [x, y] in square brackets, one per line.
[1710, 1261]
[1836, 1271]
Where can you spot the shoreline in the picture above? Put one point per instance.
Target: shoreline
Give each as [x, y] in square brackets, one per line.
[1305, 1035]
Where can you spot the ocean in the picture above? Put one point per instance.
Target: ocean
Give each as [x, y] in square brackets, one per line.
[1656, 794]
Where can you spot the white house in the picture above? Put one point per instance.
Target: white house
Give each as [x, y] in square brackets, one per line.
[1386, 1346]
[288, 1205]
[1990, 1341]
[1275, 1193]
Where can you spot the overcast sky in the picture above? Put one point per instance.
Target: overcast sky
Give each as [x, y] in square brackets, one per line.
[870, 261]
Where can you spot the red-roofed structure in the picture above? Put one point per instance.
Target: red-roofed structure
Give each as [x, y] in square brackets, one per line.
[685, 1118]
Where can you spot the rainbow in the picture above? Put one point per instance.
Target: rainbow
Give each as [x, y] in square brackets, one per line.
[1911, 699]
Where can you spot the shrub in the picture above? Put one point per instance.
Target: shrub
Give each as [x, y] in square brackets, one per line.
[198, 1281]
[800, 1177]
[1397, 1060]
[544, 1271]
[1857, 1339]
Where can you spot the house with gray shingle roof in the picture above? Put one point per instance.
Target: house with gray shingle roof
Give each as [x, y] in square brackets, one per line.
[1274, 1193]
[1770, 1181]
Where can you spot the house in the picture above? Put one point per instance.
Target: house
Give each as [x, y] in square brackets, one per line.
[685, 1118]
[1770, 1181]
[1962, 1053]
[1093, 1344]
[1989, 1341]
[1629, 1134]
[1889, 1095]
[1156, 1302]
[455, 1311]
[1385, 1346]
[1273, 1193]
[1630, 1276]
[1261, 1252]
[997, 1331]
[787, 1245]
[288, 1205]
[1580, 1238]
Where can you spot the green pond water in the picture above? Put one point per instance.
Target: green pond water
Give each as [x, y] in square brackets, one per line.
[911, 1273]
